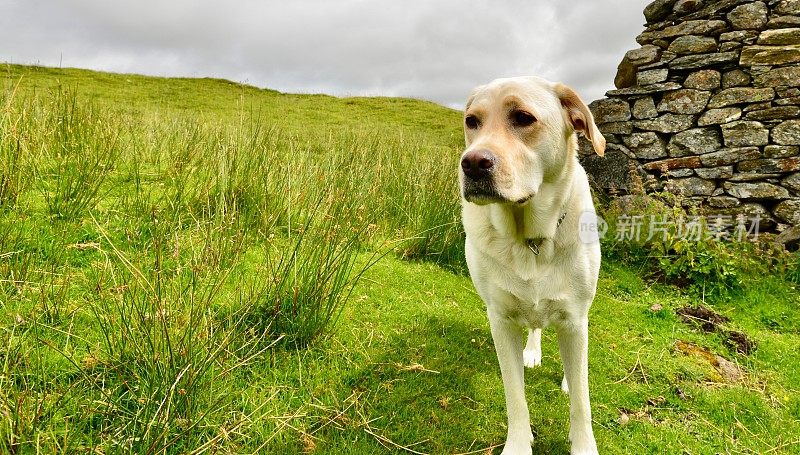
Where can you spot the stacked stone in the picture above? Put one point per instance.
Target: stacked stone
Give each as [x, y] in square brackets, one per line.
[710, 104]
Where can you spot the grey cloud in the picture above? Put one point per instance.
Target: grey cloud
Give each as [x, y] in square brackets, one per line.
[432, 50]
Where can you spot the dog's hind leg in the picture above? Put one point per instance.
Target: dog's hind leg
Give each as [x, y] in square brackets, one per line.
[532, 355]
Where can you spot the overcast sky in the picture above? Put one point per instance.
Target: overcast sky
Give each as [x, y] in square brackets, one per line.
[435, 50]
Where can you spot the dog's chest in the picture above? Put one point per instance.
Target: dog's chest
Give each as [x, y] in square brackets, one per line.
[538, 284]
[539, 296]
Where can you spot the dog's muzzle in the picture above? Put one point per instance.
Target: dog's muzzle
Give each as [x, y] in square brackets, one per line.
[478, 167]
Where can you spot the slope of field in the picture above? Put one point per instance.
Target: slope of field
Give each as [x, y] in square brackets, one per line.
[199, 266]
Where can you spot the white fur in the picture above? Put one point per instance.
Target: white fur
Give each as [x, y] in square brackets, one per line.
[532, 355]
[522, 289]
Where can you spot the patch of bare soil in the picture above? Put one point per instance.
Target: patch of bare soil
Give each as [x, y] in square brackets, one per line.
[740, 342]
[709, 321]
[702, 316]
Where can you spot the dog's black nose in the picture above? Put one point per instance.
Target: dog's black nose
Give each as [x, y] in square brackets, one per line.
[477, 164]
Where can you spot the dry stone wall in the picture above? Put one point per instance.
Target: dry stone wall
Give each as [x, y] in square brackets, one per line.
[710, 106]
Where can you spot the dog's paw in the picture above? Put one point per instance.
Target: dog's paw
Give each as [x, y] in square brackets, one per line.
[583, 445]
[531, 358]
[521, 448]
[591, 450]
[518, 443]
[564, 385]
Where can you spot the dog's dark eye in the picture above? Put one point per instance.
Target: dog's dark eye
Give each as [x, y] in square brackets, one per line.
[522, 118]
[472, 122]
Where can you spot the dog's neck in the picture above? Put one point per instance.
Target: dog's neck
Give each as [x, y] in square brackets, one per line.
[539, 217]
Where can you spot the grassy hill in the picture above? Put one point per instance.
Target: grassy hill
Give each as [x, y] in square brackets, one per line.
[194, 265]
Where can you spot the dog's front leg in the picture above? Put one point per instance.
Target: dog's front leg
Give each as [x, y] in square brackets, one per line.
[507, 338]
[573, 343]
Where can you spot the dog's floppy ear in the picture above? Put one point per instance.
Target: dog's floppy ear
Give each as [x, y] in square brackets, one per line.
[472, 96]
[580, 117]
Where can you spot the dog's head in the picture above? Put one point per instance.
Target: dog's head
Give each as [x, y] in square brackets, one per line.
[520, 133]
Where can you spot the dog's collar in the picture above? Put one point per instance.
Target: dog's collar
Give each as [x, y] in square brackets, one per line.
[535, 243]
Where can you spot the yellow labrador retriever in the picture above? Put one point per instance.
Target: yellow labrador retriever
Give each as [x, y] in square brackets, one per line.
[531, 245]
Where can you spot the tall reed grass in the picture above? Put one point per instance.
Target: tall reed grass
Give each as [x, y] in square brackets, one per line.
[148, 257]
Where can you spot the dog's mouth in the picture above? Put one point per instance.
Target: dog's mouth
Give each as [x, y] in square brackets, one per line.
[523, 200]
[485, 192]
[483, 199]
[481, 192]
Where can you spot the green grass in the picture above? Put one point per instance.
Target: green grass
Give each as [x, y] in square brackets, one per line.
[197, 266]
